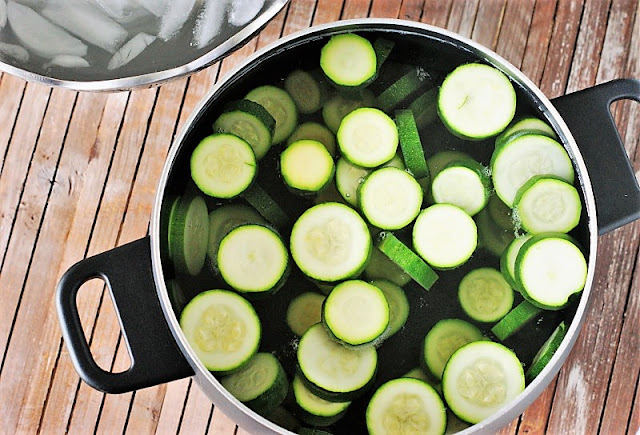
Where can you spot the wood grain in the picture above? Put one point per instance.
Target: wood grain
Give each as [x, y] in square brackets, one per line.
[78, 175]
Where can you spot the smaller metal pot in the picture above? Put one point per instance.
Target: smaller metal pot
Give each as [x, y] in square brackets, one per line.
[135, 277]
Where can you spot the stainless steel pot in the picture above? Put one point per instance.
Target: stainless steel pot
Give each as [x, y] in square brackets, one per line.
[159, 350]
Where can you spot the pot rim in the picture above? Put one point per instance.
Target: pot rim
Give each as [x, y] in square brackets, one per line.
[250, 420]
[154, 78]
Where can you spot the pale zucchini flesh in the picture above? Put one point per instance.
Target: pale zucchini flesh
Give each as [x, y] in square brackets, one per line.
[481, 378]
[406, 406]
[334, 368]
[306, 166]
[330, 242]
[304, 311]
[348, 59]
[356, 313]
[222, 328]
[485, 295]
[476, 101]
[445, 236]
[390, 198]
[253, 259]
[516, 162]
[223, 165]
[368, 137]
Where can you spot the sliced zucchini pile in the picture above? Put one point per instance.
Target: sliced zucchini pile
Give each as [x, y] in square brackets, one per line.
[362, 174]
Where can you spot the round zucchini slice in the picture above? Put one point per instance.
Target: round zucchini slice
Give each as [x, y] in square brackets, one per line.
[447, 336]
[390, 198]
[549, 269]
[398, 306]
[314, 410]
[480, 378]
[330, 242]
[332, 371]
[306, 166]
[348, 60]
[406, 406]
[222, 328]
[368, 137]
[445, 236]
[356, 313]
[281, 106]
[476, 101]
[261, 384]
[252, 259]
[223, 165]
[304, 311]
[188, 234]
[485, 295]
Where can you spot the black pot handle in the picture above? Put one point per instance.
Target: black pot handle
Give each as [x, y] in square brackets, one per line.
[155, 356]
[588, 115]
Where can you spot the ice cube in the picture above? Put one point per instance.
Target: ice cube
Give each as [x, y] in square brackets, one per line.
[209, 22]
[87, 22]
[243, 11]
[35, 4]
[130, 50]
[67, 61]
[156, 7]
[14, 51]
[175, 15]
[123, 11]
[40, 35]
[3, 13]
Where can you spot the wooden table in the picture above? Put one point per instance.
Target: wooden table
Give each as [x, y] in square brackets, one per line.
[79, 173]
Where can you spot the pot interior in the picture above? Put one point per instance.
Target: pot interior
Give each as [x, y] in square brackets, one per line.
[437, 56]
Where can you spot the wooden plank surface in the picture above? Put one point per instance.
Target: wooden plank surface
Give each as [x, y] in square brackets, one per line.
[78, 174]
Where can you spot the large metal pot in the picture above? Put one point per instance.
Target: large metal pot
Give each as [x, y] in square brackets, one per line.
[136, 278]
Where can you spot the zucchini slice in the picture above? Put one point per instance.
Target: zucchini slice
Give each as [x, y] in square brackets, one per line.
[492, 237]
[332, 371]
[443, 339]
[464, 183]
[250, 121]
[305, 310]
[224, 219]
[261, 383]
[368, 137]
[528, 124]
[260, 200]
[312, 409]
[547, 204]
[410, 143]
[513, 164]
[314, 131]
[500, 213]
[485, 295]
[401, 89]
[406, 406]
[480, 378]
[390, 198]
[305, 91]
[306, 166]
[252, 259]
[398, 306]
[348, 178]
[406, 259]
[356, 313]
[222, 328]
[445, 236]
[340, 105]
[549, 269]
[280, 105]
[381, 267]
[476, 101]
[508, 260]
[545, 353]
[188, 234]
[330, 242]
[348, 60]
[515, 320]
[223, 165]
